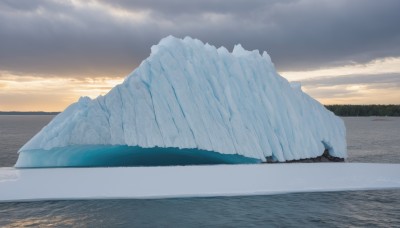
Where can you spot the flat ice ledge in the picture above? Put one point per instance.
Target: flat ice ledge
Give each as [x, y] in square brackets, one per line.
[192, 181]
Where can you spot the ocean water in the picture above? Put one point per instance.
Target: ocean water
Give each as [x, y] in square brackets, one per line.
[370, 139]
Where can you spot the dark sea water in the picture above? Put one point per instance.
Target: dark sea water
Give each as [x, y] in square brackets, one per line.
[370, 139]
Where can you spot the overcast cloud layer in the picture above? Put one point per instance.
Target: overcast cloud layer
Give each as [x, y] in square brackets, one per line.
[343, 51]
[107, 38]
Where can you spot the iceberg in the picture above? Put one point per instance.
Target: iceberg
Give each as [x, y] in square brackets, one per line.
[191, 99]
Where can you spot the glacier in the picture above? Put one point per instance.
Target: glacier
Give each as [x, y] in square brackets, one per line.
[193, 97]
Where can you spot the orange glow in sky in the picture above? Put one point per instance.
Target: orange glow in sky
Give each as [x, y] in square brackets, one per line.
[36, 93]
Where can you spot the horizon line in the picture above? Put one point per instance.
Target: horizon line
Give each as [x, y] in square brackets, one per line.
[56, 112]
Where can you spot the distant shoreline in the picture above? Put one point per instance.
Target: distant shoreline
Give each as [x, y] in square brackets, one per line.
[339, 110]
[364, 110]
[28, 113]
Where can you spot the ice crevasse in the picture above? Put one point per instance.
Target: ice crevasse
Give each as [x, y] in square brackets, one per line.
[190, 97]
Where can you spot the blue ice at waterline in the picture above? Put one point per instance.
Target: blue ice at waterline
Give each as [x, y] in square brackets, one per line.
[122, 155]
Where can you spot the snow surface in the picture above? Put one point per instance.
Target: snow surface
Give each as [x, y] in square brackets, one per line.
[191, 181]
[187, 94]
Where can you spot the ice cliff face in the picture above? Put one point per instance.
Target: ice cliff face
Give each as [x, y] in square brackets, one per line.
[191, 95]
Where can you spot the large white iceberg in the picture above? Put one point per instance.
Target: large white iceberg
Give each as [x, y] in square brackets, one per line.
[188, 94]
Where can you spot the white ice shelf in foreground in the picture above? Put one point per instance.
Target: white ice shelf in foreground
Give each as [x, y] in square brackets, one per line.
[192, 181]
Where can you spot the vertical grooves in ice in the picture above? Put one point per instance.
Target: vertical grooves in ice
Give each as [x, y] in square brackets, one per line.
[191, 95]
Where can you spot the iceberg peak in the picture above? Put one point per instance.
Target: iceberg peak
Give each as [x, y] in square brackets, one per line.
[239, 51]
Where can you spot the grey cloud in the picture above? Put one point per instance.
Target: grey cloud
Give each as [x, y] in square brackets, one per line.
[179, 7]
[57, 37]
[298, 34]
[319, 93]
[338, 87]
[22, 5]
[65, 40]
[391, 80]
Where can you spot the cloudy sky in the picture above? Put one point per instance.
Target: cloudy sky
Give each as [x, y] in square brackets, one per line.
[53, 52]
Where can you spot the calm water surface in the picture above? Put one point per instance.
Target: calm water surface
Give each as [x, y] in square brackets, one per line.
[370, 139]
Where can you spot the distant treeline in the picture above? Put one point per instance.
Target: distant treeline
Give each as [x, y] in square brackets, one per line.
[365, 110]
[28, 113]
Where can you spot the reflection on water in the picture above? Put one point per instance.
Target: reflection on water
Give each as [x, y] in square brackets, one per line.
[56, 221]
[331, 209]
